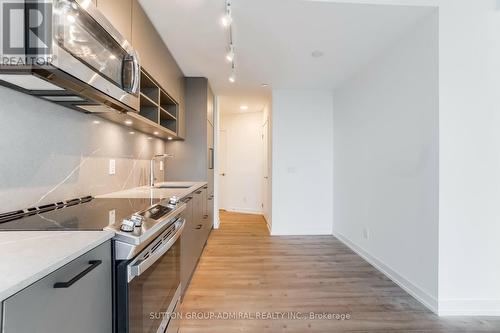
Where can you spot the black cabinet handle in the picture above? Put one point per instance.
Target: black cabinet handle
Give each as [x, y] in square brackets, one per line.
[198, 192]
[93, 264]
[198, 227]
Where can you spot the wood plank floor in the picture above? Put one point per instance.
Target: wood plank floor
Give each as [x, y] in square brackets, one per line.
[245, 272]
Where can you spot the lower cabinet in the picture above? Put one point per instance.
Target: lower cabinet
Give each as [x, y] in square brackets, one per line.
[76, 298]
[189, 252]
[195, 234]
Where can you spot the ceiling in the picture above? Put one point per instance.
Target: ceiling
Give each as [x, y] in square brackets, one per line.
[274, 41]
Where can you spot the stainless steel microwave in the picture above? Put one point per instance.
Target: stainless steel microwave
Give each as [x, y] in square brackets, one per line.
[69, 53]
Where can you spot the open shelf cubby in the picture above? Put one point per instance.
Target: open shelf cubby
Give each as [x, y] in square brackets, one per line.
[167, 120]
[149, 88]
[157, 105]
[149, 109]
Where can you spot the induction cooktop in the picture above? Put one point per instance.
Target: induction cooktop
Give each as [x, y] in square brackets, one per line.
[85, 213]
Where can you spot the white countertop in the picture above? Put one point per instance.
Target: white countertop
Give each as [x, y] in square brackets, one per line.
[28, 256]
[157, 193]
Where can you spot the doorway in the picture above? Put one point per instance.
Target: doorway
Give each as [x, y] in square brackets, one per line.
[241, 162]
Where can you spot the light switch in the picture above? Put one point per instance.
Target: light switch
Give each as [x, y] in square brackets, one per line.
[112, 167]
[161, 165]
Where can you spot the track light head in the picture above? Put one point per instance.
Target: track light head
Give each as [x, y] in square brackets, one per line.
[227, 19]
[230, 54]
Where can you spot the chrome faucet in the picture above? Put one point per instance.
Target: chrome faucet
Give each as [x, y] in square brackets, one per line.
[152, 167]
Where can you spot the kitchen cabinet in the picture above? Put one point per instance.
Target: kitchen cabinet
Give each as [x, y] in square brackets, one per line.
[198, 217]
[189, 255]
[210, 158]
[194, 157]
[156, 59]
[129, 18]
[119, 13]
[76, 298]
[206, 222]
[195, 234]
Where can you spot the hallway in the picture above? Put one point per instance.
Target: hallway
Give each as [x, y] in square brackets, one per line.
[245, 270]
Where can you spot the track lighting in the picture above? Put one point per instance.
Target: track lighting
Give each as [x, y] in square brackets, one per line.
[227, 19]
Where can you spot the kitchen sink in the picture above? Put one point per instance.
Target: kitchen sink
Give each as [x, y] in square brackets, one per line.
[173, 186]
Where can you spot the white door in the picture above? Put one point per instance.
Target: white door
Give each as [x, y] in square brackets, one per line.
[222, 167]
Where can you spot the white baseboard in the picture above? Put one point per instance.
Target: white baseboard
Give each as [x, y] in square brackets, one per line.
[422, 296]
[244, 211]
[469, 307]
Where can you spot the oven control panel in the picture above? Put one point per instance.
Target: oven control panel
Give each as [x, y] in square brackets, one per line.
[156, 212]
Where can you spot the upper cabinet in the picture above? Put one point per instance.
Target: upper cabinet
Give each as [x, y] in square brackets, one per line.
[157, 60]
[119, 13]
[155, 56]
[128, 17]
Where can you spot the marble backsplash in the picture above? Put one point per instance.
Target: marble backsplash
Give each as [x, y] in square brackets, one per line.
[51, 153]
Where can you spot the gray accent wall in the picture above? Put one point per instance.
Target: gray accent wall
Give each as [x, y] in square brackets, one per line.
[51, 153]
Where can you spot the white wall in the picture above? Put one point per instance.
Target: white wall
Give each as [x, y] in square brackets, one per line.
[386, 161]
[242, 187]
[469, 149]
[51, 153]
[469, 117]
[302, 155]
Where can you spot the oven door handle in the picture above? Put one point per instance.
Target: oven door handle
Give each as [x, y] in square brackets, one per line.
[136, 268]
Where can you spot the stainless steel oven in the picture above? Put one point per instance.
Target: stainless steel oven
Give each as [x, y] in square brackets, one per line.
[89, 67]
[149, 285]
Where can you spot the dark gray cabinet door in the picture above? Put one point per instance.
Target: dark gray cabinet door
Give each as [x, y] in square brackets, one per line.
[206, 221]
[83, 307]
[189, 245]
[198, 216]
[211, 157]
[210, 211]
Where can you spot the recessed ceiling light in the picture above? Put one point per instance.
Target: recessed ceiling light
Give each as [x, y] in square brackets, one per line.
[156, 133]
[170, 138]
[128, 122]
[131, 132]
[244, 107]
[316, 54]
[96, 122]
